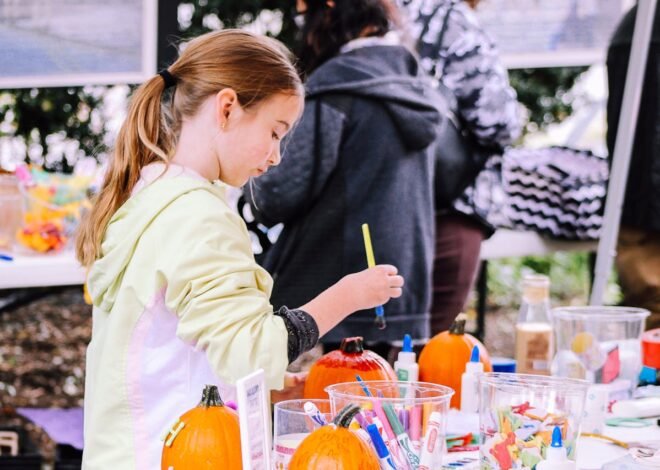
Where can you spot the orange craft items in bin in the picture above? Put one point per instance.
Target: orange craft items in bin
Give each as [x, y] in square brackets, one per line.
[343, 365]
[206, 437]
[53, 204]
[444, 357]
[335, 447]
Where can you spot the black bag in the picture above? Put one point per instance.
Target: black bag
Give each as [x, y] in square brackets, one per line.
[459, 158]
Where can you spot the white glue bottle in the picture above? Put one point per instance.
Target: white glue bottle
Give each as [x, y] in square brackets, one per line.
[470, 383]
[555, 455]
[406, 367]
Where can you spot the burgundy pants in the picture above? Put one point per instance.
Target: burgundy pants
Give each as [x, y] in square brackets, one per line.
[457, 245]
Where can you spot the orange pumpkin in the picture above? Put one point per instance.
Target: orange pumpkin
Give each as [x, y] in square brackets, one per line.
[343, 365]
[443, 359]
[335, 447]
[205, 437]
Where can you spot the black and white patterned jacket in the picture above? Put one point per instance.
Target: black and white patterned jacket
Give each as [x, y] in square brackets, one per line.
[468, 63]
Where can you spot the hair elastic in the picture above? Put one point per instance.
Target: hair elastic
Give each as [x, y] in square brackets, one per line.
[168, 78]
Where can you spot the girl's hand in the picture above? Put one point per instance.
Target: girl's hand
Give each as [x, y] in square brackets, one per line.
[358, 291]
[372, 287]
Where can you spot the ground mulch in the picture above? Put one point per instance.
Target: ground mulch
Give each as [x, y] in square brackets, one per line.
[42, 357]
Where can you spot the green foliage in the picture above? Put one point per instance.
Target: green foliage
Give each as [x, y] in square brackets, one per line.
[545, 93]
[238, 14]
[34, 114]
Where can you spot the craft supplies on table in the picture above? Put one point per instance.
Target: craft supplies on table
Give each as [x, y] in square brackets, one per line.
[518, 414]
[599, 344]
[413, 424]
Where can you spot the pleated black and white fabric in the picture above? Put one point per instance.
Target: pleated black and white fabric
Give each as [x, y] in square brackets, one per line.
[556, 191]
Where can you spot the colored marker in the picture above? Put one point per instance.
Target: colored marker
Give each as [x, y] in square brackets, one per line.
[6, 258]
[401, 436]
[386, 462]
[363, 385]
[315, 415]
[416, 427]
[371, 262]
[432, 442]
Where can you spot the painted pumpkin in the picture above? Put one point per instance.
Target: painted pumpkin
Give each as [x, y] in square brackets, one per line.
[343, 365]
[335, 447]
[443, 359]
[205, 437]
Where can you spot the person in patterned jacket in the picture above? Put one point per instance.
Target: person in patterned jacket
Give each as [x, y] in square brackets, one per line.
[455, 49]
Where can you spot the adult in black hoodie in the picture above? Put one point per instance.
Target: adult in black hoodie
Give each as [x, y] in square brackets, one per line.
[363, 152]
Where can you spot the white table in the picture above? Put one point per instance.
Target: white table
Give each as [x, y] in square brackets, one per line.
[509, 243]
[59, 269]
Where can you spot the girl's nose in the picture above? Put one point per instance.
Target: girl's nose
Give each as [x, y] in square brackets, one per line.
[275, 156]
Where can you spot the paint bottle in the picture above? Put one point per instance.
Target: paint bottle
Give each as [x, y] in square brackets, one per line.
[555, 455]
[470, 383]
[406, 367]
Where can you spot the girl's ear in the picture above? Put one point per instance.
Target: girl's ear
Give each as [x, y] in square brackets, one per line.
[226, 101]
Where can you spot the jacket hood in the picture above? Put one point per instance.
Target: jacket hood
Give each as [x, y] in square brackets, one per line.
[392, 75]
[127, 226]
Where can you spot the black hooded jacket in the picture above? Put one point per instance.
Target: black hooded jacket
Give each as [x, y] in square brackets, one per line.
[363, 152]
[641, 206]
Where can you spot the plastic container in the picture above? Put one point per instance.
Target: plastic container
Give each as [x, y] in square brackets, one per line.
[518, 414]
[11, 210]
[291, 425]
[599, 344]
[413, 407]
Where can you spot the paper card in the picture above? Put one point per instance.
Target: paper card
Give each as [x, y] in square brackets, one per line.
[254, 419]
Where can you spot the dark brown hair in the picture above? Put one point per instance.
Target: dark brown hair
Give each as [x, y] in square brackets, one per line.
[331, 24]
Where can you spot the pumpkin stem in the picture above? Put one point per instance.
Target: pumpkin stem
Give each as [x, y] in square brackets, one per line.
[346, 415]
[211, 397]
[354, 345]
[458, 327]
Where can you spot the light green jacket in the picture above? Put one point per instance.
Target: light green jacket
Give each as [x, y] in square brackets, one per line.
[178, 302]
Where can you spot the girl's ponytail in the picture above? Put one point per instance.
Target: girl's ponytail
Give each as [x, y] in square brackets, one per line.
[142, 139]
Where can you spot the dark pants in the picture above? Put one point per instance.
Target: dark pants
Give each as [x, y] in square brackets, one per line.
[457, 246]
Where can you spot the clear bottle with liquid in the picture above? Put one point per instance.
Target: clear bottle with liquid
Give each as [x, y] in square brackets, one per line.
[534, 339]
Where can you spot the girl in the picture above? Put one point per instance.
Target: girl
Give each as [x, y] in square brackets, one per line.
[178, 299]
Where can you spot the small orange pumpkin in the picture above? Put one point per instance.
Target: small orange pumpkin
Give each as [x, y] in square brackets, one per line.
[343, 365]
[205, 437]
[335, 447]
[443, 359]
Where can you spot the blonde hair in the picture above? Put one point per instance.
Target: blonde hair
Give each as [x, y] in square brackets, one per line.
[255, 67]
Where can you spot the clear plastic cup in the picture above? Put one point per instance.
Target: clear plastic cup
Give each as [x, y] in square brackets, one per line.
[11, 210]
[421, 409]
[291, 426]
[599, 344]
[518, 413]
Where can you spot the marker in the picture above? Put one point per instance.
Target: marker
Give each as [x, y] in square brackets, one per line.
[401, 436]
[388, 434]
[371, 262]
[363, 385]
[6, 258]
[386, 462]
[432, 442]
[315, 415]
[416, 427]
